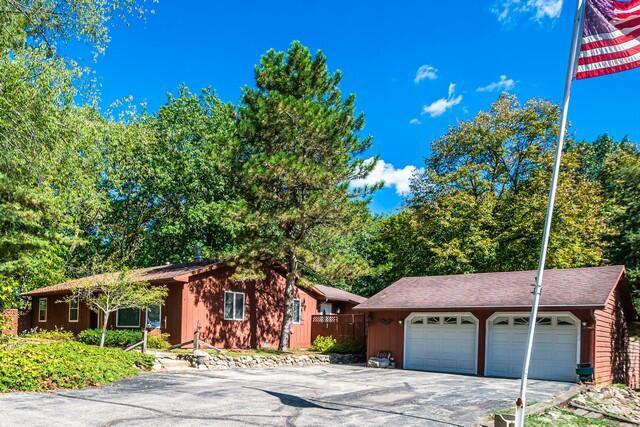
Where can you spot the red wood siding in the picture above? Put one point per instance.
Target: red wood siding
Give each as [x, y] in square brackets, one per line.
[203, 301]
[58, 315]
[385, 332]
[615, 361]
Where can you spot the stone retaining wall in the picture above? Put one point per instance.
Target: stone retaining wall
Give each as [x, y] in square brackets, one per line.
[204, 360]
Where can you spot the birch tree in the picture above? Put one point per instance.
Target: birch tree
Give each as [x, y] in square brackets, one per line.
[112, 292]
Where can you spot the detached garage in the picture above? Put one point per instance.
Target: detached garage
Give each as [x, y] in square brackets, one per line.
[477, 324]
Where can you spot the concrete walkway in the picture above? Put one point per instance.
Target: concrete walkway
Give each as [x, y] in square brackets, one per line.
[301, 396]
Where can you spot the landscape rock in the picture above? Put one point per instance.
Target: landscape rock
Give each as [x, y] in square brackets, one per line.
[203, 360]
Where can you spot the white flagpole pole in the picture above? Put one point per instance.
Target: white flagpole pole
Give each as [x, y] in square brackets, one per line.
[575, 42]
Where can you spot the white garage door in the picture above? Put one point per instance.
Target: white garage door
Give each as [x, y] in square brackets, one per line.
[441, 343]
[554, 353]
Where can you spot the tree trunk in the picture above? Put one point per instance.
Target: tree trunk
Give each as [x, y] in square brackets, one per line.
[290, 286]
[103, 335]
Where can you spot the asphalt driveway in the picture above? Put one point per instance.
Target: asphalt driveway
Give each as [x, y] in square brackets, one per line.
[301, 396]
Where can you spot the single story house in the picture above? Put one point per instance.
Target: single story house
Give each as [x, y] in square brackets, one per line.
[231, 314]
[477, 324]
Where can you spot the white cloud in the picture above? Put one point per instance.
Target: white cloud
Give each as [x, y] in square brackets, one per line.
[440, 106]
[503, 84]
[389, 175]
[537, 10]
[415, 121]
[425, 72]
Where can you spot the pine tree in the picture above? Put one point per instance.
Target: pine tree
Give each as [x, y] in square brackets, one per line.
[299, 142]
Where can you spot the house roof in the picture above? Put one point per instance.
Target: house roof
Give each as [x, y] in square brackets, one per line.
[158, 274]
[576, 287]
[179, 273]
[335, 294]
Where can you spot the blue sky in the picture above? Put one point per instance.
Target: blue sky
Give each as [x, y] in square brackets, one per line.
[415, 66]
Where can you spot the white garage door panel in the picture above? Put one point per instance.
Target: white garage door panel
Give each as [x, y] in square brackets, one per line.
[554, 352]
[441, 348]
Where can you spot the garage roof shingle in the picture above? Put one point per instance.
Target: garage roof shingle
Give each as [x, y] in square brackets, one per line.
[575, 287]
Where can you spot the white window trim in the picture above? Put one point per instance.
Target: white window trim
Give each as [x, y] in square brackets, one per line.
[146, 316]
[233, 310]
[512, 314]
[459, 314]
[299, 311]
[127, 326]
[77, 311]
[46, 309]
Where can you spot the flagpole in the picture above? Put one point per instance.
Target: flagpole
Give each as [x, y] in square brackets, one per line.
[575, 42]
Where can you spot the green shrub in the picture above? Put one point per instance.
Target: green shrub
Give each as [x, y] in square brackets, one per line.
[347, 347]
[114, 337]
[29, 366]
[328, 344]
[323, 343]
[56, 334]
[160, 342]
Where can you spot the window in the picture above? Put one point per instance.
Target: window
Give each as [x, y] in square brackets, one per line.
[501, 321]
[466, 320]
[154, 316]
[326, 308]
[565, 321]
[417, 321]
[73, 310]
[128, 318]
[233, 306]
[519, 321]
[433, 320]
[450, 321]
[297, 311]
[543, 321]
[42, 310]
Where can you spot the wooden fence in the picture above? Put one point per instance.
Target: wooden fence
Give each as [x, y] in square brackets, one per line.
[342, 327]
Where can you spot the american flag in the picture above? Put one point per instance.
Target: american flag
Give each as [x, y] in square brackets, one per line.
[610, 38]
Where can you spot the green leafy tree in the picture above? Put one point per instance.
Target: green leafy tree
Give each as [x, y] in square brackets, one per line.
[49, 146]
[169, 184]
[621, 176]
[480, 204]
[108, 293]
[299, 142]
[48, 22]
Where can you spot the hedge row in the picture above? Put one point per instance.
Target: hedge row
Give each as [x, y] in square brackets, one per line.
[113, 337]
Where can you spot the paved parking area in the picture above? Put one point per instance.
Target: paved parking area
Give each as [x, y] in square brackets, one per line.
[300, 396]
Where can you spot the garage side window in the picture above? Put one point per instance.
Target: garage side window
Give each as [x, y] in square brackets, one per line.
[233, 305]
[42, 310]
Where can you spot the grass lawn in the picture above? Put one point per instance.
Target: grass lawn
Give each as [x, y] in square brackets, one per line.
[40, 364]
[561, 417]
